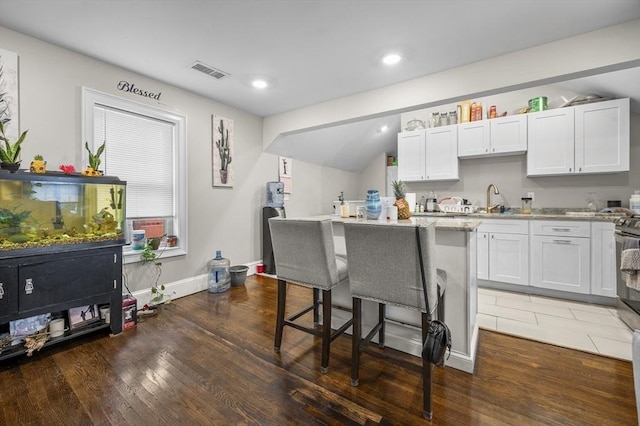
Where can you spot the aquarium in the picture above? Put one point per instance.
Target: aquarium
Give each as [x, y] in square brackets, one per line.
[41, 210]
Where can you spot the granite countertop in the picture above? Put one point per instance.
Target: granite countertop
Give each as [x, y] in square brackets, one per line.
[441, 223]
[536, 214]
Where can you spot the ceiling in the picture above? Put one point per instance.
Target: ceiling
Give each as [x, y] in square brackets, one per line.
[310, 51]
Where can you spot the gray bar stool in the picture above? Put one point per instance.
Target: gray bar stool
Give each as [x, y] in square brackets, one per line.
[384, 267]
[304, 254]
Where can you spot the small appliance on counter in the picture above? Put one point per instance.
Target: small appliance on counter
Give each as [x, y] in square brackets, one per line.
[274, 208]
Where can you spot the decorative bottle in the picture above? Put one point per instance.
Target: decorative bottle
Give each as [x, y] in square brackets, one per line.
[218, 271]
[373, 204]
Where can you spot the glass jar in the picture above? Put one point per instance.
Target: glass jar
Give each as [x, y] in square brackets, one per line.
[372, 204]
[435, 120]
[527, 202]
[218, 273]
[453, 117]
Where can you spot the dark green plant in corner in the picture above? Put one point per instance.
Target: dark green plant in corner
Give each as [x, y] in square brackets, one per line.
[10, 152]
[150, 257]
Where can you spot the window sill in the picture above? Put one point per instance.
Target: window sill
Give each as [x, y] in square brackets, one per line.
[133, 256]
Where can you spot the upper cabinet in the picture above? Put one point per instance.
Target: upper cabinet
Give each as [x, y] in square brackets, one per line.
[590, 138]
[498, 136]
[429, 154]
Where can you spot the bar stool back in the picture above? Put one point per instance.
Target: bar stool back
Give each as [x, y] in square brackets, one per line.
[384, 267]
[304, 254]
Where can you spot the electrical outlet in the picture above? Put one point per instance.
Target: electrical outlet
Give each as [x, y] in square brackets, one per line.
[531, 195]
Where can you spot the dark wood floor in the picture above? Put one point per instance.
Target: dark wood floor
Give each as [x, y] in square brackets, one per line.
[208, 359]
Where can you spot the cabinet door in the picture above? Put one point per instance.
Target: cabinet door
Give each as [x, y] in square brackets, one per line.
[67, 279]
[411, 155]
[483, 255]
[473, 139]
[509, 134]
[560, 263]
[509, 258]
[441, 162]
[8, 291]
[603, 259]
[602, 137]
[550, 142]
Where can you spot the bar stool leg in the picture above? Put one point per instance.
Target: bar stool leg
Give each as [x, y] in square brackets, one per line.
[326, 330]
[355, 340]
[316, 302]
[382, 315]
[282, 295]
[427, 411]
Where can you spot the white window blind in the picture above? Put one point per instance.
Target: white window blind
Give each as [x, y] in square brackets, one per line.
[141, 151]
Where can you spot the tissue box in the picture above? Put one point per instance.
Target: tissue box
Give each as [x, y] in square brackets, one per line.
[129, 311]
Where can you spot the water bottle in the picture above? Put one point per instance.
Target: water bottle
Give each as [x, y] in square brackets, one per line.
[218, 271]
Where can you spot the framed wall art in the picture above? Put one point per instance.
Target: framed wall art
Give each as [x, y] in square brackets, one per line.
[222, 151]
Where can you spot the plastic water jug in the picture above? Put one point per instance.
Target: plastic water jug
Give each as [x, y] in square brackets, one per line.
[218, 271]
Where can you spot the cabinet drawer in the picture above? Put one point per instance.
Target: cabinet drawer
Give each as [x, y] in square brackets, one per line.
[8, 291]
[504, 226]
[561, 228]
[50, 283]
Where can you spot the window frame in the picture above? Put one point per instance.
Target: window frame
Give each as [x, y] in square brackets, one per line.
[91, 98]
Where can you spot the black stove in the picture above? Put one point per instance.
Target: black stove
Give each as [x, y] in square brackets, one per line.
[628, 302]
[628, 225]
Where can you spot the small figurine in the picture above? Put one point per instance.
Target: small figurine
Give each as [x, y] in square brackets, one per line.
[38, 165]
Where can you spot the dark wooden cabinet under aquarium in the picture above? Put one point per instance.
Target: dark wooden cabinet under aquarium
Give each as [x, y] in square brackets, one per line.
[61, 239]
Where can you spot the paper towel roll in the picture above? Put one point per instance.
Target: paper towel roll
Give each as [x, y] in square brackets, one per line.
[392, 213]
[411, 200]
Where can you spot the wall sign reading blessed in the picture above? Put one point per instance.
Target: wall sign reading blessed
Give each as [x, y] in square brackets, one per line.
[125, 86]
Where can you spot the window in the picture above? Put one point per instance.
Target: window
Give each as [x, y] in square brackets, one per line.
[146, 147]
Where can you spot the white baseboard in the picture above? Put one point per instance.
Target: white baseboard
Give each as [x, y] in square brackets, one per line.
[185, 287]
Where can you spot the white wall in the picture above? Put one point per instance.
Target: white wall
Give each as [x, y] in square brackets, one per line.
[595, 52]
[226, 219]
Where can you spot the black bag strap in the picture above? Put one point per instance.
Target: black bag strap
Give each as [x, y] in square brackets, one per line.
[424, 280]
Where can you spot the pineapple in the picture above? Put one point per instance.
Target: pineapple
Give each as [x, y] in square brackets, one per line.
[404, 212]
[38, 165]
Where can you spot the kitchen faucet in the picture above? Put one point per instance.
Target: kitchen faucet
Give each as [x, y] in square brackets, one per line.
[496, 191]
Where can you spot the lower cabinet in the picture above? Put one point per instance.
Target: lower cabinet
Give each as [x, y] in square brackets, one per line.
[47, 281]
[571, 256]
[503, 251]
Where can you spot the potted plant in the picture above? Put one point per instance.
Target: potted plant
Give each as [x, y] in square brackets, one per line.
[10, 152]
[94, 160]
[150, 257]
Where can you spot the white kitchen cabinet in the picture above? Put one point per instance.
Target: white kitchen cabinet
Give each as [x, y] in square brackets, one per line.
[503, 251]
[603, 259]
[441, 153]
[430, 154]
[411, 155]
[602, 137]
[498, 136]
[550, 142]
[560, 256]
[590, 138]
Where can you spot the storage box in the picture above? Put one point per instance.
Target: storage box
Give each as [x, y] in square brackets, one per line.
[153, 228]
[129, 311]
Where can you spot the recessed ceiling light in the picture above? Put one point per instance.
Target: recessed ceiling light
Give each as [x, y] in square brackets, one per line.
[259, 84]
[391, 59]
[384, 128]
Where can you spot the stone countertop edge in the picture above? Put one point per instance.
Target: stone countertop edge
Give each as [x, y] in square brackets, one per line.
[441, 223]
[543, 214]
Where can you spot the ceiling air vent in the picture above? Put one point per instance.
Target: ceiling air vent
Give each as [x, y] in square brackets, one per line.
[213, 72]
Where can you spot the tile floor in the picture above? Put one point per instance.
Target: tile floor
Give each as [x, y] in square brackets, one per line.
[582, 326]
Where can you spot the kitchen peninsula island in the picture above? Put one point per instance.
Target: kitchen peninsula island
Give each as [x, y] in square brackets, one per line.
[456, 268]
